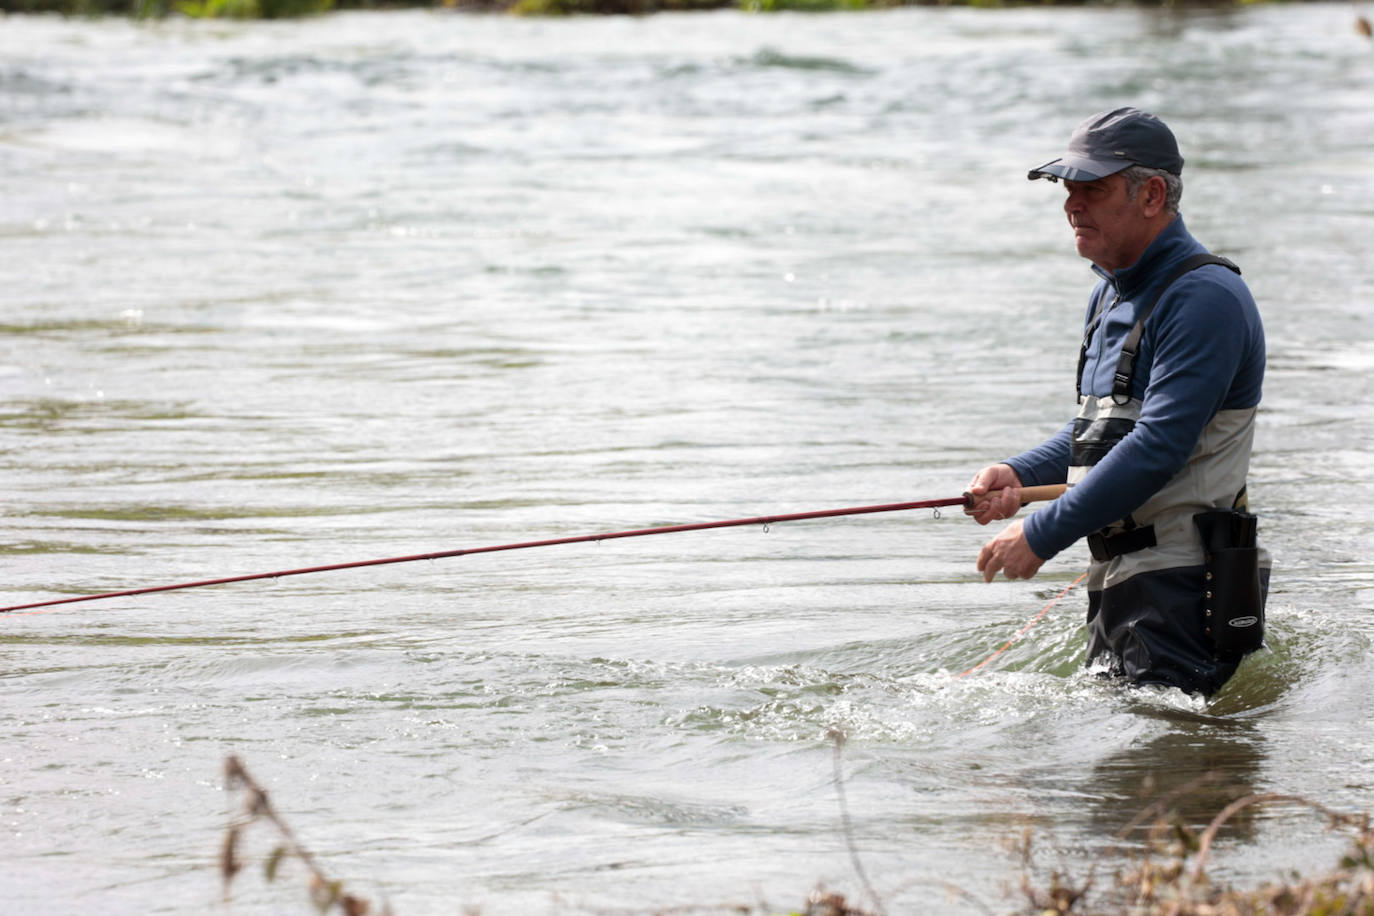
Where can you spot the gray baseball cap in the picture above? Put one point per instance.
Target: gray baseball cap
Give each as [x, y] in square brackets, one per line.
[1106, 143]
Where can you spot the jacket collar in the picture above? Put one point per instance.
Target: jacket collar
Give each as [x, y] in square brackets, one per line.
[1172, 244]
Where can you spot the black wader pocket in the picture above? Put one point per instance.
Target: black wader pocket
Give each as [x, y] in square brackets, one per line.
[1234, 601]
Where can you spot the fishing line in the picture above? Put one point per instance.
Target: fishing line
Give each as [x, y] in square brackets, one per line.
[1032, 622]
[1028, 494]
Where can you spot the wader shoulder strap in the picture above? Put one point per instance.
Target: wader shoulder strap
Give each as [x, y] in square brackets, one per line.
[1130, 350]
[1102, 308]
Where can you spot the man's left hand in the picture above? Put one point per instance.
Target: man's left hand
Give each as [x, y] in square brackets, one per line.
[1008, 553]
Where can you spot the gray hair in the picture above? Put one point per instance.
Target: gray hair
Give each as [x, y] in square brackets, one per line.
[1137, 175]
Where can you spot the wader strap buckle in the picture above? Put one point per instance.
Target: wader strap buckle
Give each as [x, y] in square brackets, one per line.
[1104, 547]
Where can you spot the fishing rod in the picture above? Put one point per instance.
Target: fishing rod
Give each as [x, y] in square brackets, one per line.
[1028, 495]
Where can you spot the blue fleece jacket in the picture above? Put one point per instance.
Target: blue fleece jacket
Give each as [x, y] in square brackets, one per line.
[1202, 351]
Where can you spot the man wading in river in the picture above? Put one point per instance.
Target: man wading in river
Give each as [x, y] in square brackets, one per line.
[1169, 379]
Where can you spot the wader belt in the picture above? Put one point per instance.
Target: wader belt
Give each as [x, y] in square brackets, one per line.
[1130, 350]
[1104, 547]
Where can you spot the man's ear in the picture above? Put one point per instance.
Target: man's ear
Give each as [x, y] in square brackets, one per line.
[1153, 196]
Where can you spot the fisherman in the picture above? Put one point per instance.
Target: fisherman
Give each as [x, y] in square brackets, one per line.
[1169, 378]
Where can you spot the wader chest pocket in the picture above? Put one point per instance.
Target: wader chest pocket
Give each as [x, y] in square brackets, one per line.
[1234, 600]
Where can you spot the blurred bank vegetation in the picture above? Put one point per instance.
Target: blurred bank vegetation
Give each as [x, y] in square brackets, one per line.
[1164, 872]
[285, 9]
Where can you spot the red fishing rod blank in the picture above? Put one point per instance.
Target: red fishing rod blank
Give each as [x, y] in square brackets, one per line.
[523, 545]
[1028, 494]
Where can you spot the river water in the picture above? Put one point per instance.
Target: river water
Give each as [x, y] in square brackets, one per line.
[296, 293]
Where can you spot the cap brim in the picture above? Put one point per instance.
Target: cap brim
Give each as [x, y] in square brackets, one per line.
[1078, 168]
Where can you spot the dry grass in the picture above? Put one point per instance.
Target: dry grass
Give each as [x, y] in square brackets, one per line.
[326, 894]
[1168, 876]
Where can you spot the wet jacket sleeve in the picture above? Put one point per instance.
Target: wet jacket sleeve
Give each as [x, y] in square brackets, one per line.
[1199, 335]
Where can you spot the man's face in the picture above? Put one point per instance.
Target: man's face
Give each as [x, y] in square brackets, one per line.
[1109, 228]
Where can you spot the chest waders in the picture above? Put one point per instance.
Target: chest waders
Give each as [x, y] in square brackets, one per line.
[1176, 589]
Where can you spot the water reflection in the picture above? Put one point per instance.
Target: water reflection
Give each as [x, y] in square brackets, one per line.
[1176, 22]
[1192, 770]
